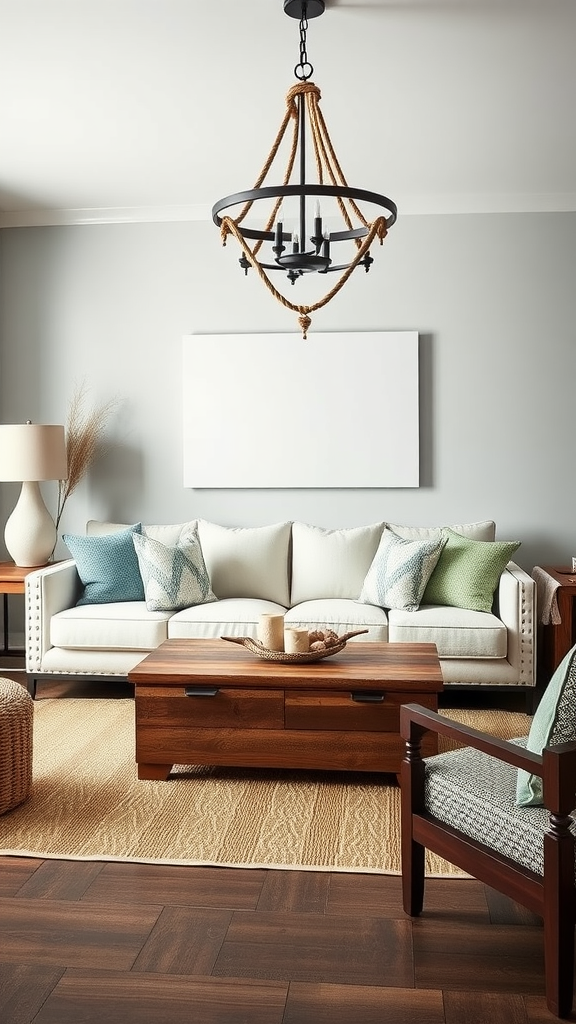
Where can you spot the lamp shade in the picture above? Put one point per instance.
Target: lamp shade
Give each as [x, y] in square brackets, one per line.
[32, 451]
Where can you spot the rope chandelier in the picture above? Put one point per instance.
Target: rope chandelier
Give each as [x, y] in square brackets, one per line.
[285, 234]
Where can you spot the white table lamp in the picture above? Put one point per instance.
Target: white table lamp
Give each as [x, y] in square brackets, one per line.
[30, 452]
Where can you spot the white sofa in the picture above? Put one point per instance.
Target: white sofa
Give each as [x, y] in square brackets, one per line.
[313, 575]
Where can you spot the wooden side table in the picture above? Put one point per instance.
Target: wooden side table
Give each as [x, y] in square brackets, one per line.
[12, 581]
[557, 639]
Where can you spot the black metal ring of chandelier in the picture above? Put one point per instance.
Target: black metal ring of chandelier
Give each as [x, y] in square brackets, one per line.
[308, 190]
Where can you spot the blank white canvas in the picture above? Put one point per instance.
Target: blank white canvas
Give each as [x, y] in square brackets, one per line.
[273, 410]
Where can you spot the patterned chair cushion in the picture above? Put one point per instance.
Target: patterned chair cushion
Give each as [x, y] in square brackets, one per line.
[476, 794]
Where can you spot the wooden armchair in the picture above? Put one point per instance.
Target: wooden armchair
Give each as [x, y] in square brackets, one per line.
[461, 805]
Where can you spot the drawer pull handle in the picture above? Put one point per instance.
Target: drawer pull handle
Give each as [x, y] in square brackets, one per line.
[201, 691]
[367, 697]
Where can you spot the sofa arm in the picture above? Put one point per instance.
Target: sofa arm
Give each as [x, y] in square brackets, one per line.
[516, 600]
[48, 591]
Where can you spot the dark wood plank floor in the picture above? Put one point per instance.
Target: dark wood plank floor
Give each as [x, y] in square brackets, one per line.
[145, 944]
[86, 942]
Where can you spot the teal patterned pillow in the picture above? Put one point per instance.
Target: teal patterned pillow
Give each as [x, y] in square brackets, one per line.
[468, 572]
[174, 576]
[107, 566]
[553, 723]
[400, 571]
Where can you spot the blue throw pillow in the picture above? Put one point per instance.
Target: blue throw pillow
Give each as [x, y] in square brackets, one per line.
[107, 566]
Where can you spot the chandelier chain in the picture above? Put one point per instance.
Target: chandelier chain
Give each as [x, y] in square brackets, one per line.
[304, 69]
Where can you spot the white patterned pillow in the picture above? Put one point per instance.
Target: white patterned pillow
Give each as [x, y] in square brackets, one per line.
[174, 576]
[400, 571]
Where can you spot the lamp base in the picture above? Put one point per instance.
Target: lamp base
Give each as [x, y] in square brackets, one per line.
[30, 533]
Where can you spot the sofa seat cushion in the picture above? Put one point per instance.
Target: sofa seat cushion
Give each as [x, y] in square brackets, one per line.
[341, 615]
[119, 626]
[476, 794]
[457, 632]
[232, 616]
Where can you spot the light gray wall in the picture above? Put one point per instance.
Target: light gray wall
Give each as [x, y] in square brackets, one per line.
[492, 296]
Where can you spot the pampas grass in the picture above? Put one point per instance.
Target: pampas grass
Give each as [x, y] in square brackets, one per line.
[84, 431]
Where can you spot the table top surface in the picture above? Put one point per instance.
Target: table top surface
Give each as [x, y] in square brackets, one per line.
[410, 667]
[12, 576]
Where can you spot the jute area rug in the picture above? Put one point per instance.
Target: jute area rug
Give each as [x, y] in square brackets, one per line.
[88, 804]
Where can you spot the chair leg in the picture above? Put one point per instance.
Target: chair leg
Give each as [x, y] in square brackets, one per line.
[559, 961]
[559, 912]
[413, 853]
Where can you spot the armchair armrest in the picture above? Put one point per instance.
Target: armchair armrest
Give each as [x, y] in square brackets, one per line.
[516, 600]
[48, 591]
[556, 766]
[415, 720]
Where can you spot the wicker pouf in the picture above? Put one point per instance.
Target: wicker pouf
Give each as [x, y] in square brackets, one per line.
[16, 712]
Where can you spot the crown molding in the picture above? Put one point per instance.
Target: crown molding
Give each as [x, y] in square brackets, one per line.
[104, 215]
[409, 205]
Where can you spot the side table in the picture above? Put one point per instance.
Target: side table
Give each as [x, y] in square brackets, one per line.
[12, 581]
[558, 638]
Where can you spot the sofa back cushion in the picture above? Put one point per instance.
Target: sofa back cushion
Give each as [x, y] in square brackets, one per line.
[331, 563]
[171, 534]
[247, 561]
[485, 530]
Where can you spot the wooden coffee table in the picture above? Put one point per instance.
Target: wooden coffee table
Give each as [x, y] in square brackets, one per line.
[212, 702]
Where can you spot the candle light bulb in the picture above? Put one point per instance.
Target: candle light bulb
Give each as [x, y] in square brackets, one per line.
[295, 241]
[278, 231]
[317, 239]
[326, 246]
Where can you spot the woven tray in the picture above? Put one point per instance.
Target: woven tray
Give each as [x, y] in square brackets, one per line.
[263, 652]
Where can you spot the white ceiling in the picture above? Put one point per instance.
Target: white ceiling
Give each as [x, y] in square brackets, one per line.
[153, 109]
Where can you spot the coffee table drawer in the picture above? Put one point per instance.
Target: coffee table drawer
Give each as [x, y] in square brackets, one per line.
[356, 710]
[209, 707]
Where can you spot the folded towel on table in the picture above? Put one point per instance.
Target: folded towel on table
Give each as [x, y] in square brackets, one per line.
[546, 587]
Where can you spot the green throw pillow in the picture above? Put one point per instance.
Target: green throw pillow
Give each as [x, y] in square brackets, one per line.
[468, 572]
[553, 723]
[175, 576]
[400, 570]
[107, 566]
